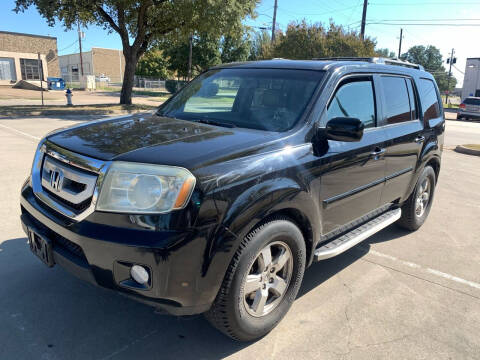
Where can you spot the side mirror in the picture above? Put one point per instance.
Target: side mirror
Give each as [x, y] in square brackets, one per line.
[344, 129]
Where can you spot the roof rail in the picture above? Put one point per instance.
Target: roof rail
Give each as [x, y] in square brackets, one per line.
[375, 60]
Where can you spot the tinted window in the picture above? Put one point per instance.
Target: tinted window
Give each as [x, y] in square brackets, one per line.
[264, 99]
[413, 99]
[397, 103]
[429, 99]
[472, 101]
[354, 99]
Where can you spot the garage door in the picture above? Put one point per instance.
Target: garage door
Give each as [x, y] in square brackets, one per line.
[7, 69]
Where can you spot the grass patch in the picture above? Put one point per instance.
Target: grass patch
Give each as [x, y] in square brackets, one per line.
[100, 109]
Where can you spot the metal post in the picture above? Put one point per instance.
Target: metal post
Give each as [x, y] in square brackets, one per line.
[190, 59]
[364, 17]
[400, 44]
[40, 74]
[274, 20]
[449, 75]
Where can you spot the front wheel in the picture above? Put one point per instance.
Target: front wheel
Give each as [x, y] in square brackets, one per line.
[261, 282]
[417, 207]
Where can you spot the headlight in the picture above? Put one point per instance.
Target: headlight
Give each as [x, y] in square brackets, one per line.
[146, 189]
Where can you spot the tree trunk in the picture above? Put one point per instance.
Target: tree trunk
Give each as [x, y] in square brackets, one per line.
[128, 78]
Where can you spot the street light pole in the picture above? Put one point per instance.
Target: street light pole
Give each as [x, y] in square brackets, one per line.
[190, 58]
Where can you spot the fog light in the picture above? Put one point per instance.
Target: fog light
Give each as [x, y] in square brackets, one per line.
[139, 274]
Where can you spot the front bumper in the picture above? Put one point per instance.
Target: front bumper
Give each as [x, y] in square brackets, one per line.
[103, 254]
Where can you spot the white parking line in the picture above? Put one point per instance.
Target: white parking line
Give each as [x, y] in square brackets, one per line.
[429, 270]
[20, 132]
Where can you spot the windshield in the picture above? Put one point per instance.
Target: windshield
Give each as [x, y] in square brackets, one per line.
[265, 99]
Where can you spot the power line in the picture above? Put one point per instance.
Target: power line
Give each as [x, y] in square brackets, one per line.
[317, 14]
[422, 24]
[424, 20]
[460, 71]
[425, 3]
[69, 46]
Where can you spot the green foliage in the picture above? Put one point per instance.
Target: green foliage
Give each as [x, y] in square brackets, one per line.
[307, 41]
[431, 59]
[261, 46]
[207, 50]
[153, 64]
[386, 53]
[142, 23]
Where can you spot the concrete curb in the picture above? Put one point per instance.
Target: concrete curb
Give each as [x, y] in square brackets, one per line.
[464, 150]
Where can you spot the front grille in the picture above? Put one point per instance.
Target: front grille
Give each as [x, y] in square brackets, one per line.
[77, 207]
[68, 185]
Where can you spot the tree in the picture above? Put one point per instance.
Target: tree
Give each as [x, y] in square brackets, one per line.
[261, 46]
[308, 41]
[386, 53]
[205, 53]
[431, 59]
[140, 23]
[235, 48]
[207, 50]
[153, 64]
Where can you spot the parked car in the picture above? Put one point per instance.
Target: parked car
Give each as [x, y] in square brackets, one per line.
[219, 201]
[102, 78]
[469, 109]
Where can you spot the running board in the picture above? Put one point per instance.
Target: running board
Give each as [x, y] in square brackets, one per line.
[357, 235]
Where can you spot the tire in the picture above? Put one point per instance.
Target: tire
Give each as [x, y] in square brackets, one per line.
[233, 309]
[412, 218]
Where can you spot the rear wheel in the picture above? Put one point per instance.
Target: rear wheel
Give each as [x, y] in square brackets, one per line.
[262, 281]
[417, 207]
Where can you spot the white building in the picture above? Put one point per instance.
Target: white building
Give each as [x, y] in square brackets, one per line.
[471, 80]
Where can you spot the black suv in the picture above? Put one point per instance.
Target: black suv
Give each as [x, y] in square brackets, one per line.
[218, 201]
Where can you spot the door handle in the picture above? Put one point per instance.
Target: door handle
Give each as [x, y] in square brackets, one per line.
[377, 152]
[420, 139]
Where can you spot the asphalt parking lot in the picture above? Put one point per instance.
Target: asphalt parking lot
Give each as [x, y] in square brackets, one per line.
[398, 295]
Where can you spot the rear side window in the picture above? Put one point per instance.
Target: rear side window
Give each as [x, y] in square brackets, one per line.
[429, 99]
[397, 102]
[472, 101]
[354, 99]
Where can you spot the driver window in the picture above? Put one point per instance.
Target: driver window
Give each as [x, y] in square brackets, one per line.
[354, 99]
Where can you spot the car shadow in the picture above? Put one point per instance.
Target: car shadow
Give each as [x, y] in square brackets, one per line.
[48, 313]
[323, 270]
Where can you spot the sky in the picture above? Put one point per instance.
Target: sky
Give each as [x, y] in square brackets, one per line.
[449, 24]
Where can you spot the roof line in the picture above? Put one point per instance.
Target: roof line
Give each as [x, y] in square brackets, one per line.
[25, 34]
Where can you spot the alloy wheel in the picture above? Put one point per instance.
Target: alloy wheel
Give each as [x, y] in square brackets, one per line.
[268, 279]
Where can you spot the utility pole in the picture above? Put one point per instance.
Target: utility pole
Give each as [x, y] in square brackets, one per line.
[274, 20]
[190, 59]
[80, 45]
[449, 75]
[400, 44]
[364, 18]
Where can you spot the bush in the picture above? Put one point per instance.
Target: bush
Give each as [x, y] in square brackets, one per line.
[173, 86]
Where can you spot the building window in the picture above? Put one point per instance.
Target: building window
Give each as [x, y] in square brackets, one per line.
[7, 69]
[75, 76]
[31, 69]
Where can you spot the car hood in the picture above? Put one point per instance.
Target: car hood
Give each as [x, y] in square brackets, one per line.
[159, 140]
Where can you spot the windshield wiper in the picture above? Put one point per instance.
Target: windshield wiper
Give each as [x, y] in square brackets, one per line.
[214, 122]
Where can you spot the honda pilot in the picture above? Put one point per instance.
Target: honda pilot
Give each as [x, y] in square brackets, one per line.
[217, 202]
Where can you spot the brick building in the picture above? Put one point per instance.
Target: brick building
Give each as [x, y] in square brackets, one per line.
[19, 57]
[98, 61]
